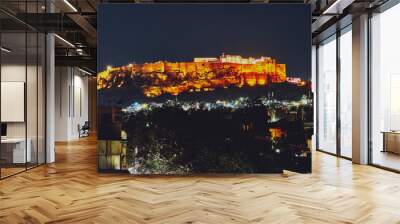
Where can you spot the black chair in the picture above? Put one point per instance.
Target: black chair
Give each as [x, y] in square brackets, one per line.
[84, 130]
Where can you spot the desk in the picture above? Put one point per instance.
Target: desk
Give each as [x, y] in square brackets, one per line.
[391, 141]
[13, 150]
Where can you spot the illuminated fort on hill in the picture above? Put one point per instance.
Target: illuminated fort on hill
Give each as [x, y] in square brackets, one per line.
[202, 74]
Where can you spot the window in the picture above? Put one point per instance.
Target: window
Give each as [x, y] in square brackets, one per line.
[327, 96]
[345, 93]
[385, 89]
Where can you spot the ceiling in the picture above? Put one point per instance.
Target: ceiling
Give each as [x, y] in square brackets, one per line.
[75, 21]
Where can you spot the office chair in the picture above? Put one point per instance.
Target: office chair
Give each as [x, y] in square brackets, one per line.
[84, 130]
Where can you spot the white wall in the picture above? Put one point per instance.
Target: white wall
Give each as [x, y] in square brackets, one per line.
[33, 127]
[80, 112]
[16, 73]
[71, 102]
[12, 73]
[62, 82]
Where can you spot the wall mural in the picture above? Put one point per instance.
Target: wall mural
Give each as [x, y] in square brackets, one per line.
[205, 88]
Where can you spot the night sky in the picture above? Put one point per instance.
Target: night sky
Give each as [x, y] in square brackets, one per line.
[179, 32]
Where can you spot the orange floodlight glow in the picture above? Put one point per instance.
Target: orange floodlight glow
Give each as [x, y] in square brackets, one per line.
[202, 74]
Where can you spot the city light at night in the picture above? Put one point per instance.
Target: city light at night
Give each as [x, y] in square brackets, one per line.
[203, 74]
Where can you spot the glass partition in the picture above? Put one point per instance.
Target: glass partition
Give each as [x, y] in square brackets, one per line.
[22, 91]
[13, 94]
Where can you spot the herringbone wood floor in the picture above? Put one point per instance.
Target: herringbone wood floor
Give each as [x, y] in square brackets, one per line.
[71, 191]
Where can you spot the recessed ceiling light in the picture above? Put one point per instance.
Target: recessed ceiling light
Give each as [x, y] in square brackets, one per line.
[64, 40]
[70, 5]
[5, 50]
[84, 71]
[337, 7]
